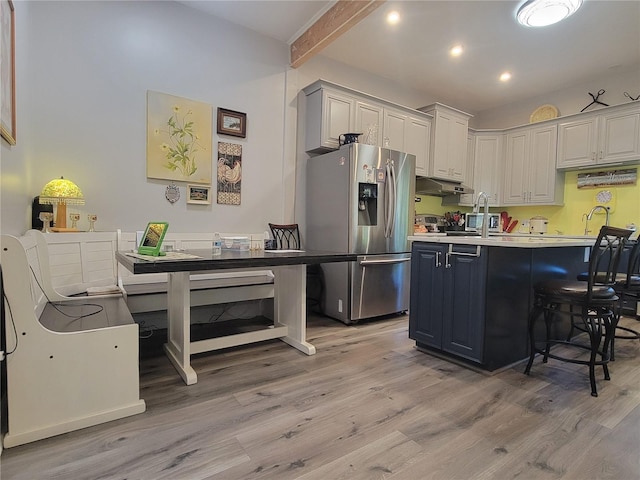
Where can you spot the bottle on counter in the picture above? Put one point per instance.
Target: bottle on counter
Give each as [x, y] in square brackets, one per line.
[217, 244]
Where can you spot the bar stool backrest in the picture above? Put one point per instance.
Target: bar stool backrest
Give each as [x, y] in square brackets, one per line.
[287, 237]
[633, 267]
[605, 256]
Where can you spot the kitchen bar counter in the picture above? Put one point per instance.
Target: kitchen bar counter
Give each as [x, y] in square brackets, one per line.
[510, 241]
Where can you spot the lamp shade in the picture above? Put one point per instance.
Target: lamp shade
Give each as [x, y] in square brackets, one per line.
[61, 190]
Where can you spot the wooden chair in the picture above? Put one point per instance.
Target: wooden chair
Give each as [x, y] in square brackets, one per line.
[592, 307]
[287, 237]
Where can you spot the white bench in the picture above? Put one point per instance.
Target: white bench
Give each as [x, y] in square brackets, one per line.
[72, 362]
[87, 259]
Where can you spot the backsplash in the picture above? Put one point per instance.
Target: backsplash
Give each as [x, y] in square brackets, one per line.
[567, 219]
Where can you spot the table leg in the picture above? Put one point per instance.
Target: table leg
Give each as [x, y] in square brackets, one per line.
[178, 346]
[290, 305]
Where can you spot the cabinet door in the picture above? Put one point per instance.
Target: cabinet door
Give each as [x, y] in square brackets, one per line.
[417, 139]
[426, 293]
[449, 147]
[486, 170]
[577, 142]
[619, 137]
[542, 165]
[468, 199]
[516, 168]
[369, 122]
[394, 128]
[464, 302]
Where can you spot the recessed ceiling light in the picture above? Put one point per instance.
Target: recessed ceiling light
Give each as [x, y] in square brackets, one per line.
[540, 13]
[505, 77]
[393, 17]
[456, 51]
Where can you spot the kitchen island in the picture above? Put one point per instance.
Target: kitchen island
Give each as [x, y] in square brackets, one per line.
[471, 296]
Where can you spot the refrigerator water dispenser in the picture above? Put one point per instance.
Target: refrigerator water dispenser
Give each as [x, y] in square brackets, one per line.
[367, 204]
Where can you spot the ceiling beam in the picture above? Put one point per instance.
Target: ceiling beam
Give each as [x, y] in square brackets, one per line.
[337, 20]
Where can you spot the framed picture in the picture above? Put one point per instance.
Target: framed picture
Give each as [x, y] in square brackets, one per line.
[7, 72]
[199, 194]
[179, 132]
[232, 123]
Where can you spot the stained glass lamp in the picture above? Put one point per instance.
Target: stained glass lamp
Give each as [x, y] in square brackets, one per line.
[61, 192]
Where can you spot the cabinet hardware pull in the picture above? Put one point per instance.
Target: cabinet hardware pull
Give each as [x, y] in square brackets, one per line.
[464, 254]
[438, 262]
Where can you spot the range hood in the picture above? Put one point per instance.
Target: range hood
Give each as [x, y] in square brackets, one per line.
[440, 188]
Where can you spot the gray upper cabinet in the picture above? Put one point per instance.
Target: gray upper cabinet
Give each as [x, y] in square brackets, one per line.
[612, 135]
[449, 130]
[330, 113]
[530, 176]
[333, 110]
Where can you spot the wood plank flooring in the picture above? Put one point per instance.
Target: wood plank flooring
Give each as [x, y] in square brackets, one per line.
[368, 405]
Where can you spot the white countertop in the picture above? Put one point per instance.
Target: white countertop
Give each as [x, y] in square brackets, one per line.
[513, 241]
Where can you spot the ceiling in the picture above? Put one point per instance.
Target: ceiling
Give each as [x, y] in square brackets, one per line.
[602, 38]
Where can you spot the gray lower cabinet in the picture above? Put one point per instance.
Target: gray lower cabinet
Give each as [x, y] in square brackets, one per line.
[472, 303]
[448, 297]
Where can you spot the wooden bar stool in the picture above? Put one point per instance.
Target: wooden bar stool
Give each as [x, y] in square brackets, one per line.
[627, 287]
[592, 307]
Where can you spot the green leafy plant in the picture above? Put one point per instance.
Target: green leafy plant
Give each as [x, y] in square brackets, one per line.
[183, 143]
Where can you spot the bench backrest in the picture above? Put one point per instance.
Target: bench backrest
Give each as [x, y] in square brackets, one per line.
[22, 277]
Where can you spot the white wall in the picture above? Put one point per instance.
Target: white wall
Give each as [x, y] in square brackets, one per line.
[568, 101]
[83, 72]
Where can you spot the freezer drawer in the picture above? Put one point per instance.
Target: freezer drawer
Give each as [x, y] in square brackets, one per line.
[380, 285]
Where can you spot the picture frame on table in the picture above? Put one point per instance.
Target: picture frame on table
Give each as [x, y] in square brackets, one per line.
[8, 74]
[199, 194]
[232, 123]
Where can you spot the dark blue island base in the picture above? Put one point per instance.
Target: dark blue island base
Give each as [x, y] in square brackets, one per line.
[471, 302]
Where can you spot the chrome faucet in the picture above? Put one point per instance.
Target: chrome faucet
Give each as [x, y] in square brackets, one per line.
[590, 215]
[485, 218]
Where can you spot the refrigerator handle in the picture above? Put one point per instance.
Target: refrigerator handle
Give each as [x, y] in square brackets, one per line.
[387, 201]
[394, 198]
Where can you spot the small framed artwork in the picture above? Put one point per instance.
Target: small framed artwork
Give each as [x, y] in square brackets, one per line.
[8, 72]
[199, 194]
[232, 123]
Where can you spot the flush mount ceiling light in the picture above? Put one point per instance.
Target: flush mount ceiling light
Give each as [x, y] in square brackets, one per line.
[393, 17]
[456, 50]
[540, 13]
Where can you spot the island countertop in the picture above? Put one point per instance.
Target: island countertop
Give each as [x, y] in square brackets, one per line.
[518, 241]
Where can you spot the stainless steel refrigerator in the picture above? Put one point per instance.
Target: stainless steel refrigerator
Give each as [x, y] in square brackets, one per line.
[360, 200]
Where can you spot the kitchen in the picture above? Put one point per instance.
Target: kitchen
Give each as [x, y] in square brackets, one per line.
[44, 149]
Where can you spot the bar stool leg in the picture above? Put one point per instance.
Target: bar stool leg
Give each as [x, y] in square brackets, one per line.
[535, 313]
[594, 341]
[549, 314]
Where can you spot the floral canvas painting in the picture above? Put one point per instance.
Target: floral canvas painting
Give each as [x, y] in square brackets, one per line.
[178, 139]
[229, 173]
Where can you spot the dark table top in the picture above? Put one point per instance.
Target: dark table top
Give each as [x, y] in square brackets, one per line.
[231, 259]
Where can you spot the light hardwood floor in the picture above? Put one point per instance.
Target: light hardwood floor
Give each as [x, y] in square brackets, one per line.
[368, 405]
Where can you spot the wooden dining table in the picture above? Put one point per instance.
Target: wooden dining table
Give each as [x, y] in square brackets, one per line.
[290, 306]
